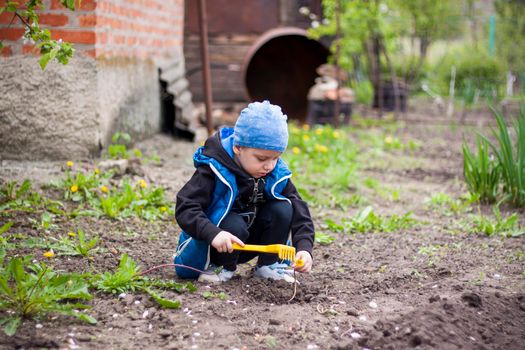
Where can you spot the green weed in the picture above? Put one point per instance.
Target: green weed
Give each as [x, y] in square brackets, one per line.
[366, 220]
[38, 292]
[209, 295]
[80, 186]
[127, 278]
[484, 175]
[45, 223]
[118, 149]
[481, 171]
[18, 197]
[323, 238]
[138, 200]
[504, 226]
[449, 205]
[78, 244]
[511, 157]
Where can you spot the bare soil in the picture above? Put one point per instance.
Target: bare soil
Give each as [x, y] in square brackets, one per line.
[373, 290]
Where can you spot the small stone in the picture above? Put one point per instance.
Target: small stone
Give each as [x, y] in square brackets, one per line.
[165, 333]
[84, 338]
[274, 322]
[38, 326]
[352, 312]
[372, 304]
[434, 298]
[355, 335]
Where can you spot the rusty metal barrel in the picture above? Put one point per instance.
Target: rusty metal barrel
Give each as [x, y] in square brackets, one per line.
[281, 67]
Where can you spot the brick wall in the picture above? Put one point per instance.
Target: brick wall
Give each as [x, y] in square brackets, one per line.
[105, 28]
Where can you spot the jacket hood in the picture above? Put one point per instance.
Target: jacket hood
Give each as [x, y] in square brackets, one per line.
[219, 146]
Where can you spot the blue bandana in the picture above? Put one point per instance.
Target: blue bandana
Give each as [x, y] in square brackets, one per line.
[262, 125]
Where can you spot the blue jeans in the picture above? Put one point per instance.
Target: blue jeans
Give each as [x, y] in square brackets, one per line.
[271, 226]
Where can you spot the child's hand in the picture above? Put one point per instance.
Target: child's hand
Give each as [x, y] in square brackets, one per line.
[223, 242]
[306, 258]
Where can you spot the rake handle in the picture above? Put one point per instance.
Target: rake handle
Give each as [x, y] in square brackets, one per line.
[252, 248]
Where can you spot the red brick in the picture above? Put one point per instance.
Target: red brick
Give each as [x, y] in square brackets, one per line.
[87, 20]
[54, 20]
[85, 5]
[119, 39]
[73, 36]
[6, 51]
[102, 38]
[11, 33]
[91, 53]
[30, 49]
[8, 17]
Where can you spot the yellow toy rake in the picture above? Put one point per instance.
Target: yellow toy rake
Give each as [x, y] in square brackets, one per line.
[284, 252]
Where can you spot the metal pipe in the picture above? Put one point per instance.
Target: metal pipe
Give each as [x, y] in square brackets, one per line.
[337, 107]
[206, 76]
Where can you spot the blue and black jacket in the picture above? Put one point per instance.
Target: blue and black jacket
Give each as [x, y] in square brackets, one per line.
[215, 188]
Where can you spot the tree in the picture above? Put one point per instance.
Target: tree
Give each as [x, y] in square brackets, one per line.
[49, 49]
[425, 21]
[373, 28]
[510, 33]
[365, 31]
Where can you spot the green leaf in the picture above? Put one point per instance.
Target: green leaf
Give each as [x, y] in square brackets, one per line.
[6, 227]
[12, 325]
[12, 6]
[87, 318]
[170, 304]
[25, 187]
[44, 60]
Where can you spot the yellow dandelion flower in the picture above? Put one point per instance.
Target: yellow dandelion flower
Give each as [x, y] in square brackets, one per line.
[97, 171]
[69, 164]
[142, 183]
[336, 134]
[389, 139]
[320, 148]
[319, 131]
[306, 127]
[49, 254]
[294, 130]
[296, 150]
[74, 188]
[306, 137]
[71, 234]
[163, 209]
[104, 189]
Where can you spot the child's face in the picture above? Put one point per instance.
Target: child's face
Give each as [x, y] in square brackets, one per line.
[255, 161]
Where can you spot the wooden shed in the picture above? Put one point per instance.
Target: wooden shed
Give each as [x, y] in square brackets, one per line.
[258, 50]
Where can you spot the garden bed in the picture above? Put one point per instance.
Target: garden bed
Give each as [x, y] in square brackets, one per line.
[431, 281]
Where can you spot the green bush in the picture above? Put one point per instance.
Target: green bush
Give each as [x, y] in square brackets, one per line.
[477, 74]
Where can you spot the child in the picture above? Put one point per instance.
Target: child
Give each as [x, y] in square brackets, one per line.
[241, 193]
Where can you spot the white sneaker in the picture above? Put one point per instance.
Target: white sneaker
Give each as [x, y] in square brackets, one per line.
[275, 271]
[211, 275]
